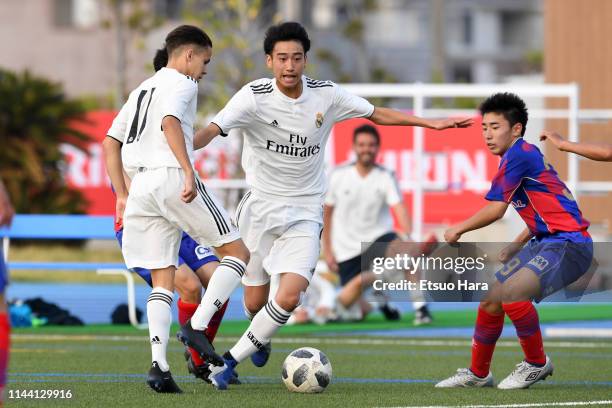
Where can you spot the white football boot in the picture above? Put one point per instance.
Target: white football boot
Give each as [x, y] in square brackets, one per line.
[465, 378]
[525, 374]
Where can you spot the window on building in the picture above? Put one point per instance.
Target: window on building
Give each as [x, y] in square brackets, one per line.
[462, 73]
[467, 29]
[513, 28]
[62, 13]
[170, 9]
[76, 13]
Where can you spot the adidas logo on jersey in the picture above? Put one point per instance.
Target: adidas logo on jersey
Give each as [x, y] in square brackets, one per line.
[264, 88]
[274, 123]
[192, 79]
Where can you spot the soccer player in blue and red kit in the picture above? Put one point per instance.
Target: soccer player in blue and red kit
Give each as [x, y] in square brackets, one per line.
[558, 249]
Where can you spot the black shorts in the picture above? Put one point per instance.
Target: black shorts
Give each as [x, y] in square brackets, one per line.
[352, 267]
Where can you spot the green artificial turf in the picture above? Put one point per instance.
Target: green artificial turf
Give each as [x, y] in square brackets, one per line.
[105, 366]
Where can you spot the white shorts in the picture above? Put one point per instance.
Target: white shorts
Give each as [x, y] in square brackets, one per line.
[155, 217]
[281, 237]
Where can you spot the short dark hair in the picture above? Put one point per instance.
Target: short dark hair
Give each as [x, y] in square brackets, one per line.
[181, 35]
[289, 31]
[509, 105]
[369, 129]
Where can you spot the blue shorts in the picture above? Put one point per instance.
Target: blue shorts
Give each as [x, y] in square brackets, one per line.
[3, 273]
[190, 253]
[557, 260]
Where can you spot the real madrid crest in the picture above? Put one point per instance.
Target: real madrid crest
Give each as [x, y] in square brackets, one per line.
[319, 120]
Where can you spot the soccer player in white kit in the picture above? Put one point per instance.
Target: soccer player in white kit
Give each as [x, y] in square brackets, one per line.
[155, 128]
[286, 122]
[357, 210]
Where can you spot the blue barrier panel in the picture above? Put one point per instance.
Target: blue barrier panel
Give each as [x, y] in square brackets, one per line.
[65, 265]
[47, 226]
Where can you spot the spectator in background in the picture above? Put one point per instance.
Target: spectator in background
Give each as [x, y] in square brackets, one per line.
[6, 216]
[356, 210]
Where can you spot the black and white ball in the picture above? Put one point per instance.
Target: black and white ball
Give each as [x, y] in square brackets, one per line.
[307, 370]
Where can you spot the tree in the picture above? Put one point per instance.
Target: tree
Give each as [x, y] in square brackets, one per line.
[236, 28]
[366, 69]
[35, 119]
[128, 18]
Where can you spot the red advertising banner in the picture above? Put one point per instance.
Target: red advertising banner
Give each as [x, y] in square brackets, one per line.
[84, 168]
[457, 165]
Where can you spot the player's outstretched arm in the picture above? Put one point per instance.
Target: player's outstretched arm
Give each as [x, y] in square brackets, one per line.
[114, 168]
[204, 136]
[485, 216]
[6, 208]
[387, 116]
[176, 141]
[593, 151]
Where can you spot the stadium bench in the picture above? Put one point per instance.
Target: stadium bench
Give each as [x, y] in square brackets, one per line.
[67, 227]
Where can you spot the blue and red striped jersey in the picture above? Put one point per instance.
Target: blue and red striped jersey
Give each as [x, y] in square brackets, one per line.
[525, 180]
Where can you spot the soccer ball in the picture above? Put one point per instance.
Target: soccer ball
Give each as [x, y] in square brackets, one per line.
[307, 370]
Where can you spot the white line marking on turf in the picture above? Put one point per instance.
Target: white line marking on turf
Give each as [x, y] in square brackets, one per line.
[539, 404]
[18, 350]
[317, 340]
[578, 332]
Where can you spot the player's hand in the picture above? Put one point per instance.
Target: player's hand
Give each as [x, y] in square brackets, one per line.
[189, 191]
[452, 123]
[120, 207]
[6, 209]
[330, 259]
[553, 137]
[452, 235]
[509, 251]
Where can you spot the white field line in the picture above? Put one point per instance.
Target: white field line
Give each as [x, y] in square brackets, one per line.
[578, 332]
[540, 404]
[317, 340]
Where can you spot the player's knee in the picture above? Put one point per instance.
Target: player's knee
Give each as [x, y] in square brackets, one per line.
[512, 292]
[492, 307]
[236, 249]
[241, 251]
[245, 254]
[189, 289]
[289, 301]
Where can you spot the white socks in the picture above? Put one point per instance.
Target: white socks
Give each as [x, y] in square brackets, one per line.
[225, 279]
[265, 323]
[160, 319]
[418, 305]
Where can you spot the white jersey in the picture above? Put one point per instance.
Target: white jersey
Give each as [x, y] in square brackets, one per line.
[361, 207]
[285, 138]
[138, 124]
